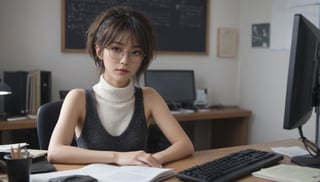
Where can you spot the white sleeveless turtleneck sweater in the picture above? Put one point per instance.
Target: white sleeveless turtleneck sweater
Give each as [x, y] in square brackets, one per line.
[115, 106]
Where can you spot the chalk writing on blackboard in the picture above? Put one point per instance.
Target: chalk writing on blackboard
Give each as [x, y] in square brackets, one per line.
[180, 25]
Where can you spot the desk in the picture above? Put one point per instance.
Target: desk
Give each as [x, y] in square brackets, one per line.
[206, 155]
[217, 128]
[7, 126]
[227, 127]
[19, 124]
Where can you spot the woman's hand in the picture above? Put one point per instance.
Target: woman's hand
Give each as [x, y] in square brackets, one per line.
[139, 158]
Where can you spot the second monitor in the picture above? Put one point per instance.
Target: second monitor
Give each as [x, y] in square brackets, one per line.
[177, 87]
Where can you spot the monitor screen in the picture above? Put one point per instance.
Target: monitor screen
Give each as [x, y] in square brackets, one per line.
[175, 86]
[299, 105]
[303, 80]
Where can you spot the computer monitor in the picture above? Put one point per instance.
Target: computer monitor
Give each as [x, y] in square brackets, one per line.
[177, 87]
[302, 95]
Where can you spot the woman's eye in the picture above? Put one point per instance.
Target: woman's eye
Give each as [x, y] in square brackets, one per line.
[116, 49]
[137, 53]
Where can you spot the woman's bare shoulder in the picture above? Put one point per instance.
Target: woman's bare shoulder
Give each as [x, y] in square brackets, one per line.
[150, 95]
[149, 91]
[76, 92]
[75, 95]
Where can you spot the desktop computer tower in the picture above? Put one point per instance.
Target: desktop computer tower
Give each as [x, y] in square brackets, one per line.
[15, 103]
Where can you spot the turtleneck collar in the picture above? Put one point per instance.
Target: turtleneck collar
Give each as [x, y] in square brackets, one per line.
[110, 93]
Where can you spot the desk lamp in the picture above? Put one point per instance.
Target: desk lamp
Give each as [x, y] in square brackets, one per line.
[4, 88]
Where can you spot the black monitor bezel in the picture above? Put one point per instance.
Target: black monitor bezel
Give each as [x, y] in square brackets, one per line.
[187, 102]
[300, 81]
[303, 86]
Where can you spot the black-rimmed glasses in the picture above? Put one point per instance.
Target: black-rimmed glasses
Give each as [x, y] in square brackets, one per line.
[118, 53]
[310, 147]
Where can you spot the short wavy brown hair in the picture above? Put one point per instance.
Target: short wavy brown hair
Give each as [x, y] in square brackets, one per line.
[116, 21]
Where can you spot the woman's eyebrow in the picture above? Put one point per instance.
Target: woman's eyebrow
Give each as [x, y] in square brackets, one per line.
[122, 44]
[117, 43]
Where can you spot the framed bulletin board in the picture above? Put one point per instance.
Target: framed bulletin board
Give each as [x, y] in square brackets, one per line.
[180, 26]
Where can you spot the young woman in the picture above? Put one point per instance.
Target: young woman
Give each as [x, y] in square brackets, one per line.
[110, 120]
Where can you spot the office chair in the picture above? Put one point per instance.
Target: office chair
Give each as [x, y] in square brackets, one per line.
[47, 117]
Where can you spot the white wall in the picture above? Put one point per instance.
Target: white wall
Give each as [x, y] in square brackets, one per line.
[255, 79]
[263, 78]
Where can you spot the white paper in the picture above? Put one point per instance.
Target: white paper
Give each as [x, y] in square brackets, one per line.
[110, 173]
[37, 153]
[290, 151]
[7, 147]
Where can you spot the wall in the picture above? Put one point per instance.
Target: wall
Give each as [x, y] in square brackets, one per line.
[263, 78]
[255, 79]
[30, 39]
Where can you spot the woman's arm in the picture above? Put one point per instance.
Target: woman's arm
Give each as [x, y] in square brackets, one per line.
[70, 122]
[156, 108]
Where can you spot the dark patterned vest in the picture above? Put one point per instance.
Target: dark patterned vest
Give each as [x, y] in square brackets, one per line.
[94, 136]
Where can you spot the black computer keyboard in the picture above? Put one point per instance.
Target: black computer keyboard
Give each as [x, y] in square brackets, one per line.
[230, 167]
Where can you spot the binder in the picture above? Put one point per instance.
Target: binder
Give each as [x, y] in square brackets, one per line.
[45, 86]
[15, 103]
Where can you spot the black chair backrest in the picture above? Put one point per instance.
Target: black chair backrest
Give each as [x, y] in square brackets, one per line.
[47, 117]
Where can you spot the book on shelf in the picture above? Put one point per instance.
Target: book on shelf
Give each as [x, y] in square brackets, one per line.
[39, 90]
[33, 91]
[106, 172]
[17, 118]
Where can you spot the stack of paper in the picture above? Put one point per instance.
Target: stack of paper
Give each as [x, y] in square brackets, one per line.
[34, 152]
[7, 147]
[289, 173]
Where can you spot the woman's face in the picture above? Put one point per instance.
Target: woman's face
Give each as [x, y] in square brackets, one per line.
[121, 59]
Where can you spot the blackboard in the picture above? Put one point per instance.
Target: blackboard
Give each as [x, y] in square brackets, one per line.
[180, 25]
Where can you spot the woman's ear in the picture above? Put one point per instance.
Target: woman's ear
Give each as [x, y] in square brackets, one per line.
[99, 52]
